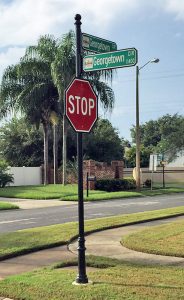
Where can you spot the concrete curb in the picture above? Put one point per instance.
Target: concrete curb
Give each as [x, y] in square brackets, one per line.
[124, 225]
[107, 243]
[39, 259]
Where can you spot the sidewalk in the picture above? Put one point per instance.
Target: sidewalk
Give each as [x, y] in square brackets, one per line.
[107, 243]
[33, 203]
[95, 243]
[29, 262]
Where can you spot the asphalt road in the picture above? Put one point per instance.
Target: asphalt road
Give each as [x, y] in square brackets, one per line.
[28, 218]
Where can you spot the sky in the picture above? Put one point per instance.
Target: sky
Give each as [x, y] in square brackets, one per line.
[154, 28]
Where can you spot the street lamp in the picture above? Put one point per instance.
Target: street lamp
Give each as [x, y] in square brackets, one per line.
[138, 182]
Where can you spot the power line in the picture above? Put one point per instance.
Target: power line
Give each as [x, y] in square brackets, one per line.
[152, 78]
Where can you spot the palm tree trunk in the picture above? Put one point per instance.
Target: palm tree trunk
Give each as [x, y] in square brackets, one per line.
[46, 163]
[55, 153]
[64, 149]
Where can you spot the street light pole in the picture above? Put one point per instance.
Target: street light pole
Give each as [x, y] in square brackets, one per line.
[138, 181]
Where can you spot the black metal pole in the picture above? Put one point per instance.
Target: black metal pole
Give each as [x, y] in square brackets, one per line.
[81, 277]
[163, 176]
[87, 184]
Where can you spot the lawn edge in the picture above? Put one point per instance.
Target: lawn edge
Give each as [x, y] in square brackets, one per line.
[124, 225]
[158, 193]
[66, 243]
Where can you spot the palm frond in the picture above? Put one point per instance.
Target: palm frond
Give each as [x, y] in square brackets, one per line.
[44, 50]
[105, 93]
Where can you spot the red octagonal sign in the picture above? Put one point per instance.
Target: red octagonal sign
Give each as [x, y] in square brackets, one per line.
[81, 105]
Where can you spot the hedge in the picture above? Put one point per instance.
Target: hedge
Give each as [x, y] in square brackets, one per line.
[115, 185]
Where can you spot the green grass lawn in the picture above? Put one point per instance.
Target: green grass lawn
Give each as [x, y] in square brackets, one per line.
[27, 240]
[113, 280]
[164, 239]
[69, 192]
[6, 206]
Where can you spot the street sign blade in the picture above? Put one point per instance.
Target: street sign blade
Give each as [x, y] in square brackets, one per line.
[110, 60]
[96, 44]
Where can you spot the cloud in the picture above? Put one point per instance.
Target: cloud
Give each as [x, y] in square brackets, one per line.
[23, 21]
[123, 110]
[175, 7]
[10, 56]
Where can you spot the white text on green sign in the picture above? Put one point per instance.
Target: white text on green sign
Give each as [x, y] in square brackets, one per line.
[96, 44]
[111, 60]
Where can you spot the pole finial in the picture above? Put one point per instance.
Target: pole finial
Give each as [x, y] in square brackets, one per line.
[78, 19]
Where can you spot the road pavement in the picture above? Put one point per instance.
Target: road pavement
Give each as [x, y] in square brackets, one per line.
[63, 212]
[103, 243]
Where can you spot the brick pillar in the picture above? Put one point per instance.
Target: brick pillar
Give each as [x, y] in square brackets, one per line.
[117, 167]
[121, 168]
[89, 167]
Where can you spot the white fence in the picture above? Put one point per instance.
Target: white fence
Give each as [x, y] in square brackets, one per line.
[26, 175]
[172, 174]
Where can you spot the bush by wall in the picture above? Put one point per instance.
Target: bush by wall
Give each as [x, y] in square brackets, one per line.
[115, 185]
[5, 178]
[147, 183]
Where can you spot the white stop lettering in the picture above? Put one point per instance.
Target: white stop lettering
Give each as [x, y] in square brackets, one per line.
[80, 105]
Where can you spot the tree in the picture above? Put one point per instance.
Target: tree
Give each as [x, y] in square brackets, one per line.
[172, 141]
[28, 87]
[164, 135]
[103, 143]
[150, 134]
[21, 144]
[63, 71]
[35, 85]
[130, 156]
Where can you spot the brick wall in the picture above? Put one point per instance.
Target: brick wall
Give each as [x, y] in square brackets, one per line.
[100, 170]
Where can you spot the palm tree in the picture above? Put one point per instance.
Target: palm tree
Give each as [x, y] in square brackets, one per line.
[35, 85]
[28, 87]
[63, 71]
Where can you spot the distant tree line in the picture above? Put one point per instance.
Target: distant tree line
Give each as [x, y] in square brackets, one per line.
[163, 136]
[21, 144]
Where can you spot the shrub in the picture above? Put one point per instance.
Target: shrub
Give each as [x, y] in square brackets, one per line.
[115, 185]
[5, 178]
[147, 183]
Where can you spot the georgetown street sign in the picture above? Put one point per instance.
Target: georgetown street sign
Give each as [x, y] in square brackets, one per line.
[110, 60]
[96, 44]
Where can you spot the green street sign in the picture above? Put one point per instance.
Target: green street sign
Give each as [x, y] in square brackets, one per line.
[96, 44]
[110, 60]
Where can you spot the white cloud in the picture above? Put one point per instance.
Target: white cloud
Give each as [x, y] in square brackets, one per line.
[23, 21]
[123, 110]
[10, 56]
[176, 7]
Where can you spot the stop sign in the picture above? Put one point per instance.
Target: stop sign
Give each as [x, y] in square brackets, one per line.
[81, 105]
